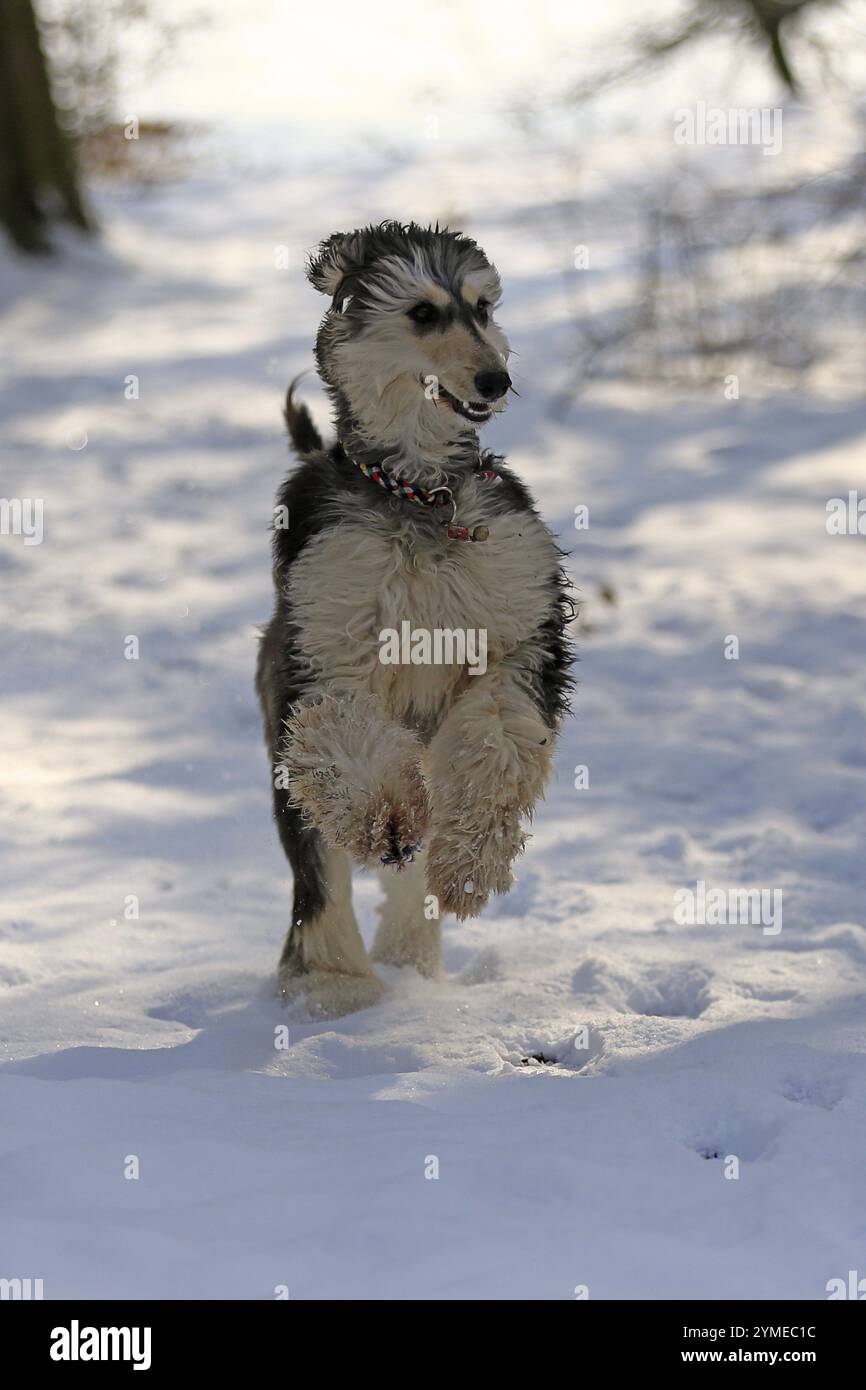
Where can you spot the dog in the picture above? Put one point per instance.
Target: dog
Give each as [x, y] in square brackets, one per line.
[400, 543]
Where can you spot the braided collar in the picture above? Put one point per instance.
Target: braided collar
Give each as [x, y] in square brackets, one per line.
[427, 496]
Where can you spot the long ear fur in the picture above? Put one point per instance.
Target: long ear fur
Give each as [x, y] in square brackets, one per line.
[333, 259]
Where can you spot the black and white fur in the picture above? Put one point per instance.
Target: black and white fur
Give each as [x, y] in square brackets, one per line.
[426, 771]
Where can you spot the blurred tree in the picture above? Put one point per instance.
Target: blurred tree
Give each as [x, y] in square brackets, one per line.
[770, 24]
[38, 175]
[769, 18]
[88, 42]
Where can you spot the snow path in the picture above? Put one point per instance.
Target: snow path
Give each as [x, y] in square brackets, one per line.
[261, 1167]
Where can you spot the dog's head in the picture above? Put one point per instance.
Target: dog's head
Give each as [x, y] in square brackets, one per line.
[409, 342]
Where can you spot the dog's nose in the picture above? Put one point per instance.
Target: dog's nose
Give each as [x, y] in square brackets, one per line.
[492, 385]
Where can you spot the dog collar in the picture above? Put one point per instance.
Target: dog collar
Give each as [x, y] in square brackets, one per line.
[426, 497]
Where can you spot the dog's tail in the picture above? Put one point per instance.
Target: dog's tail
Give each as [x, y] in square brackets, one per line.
[299, 422]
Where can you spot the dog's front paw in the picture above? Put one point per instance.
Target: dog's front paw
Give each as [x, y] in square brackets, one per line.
[463, 871]
[456, 890]
[394, 822]
[355, 775]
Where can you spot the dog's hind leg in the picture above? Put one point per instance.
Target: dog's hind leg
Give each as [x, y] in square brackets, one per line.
[324, 958]
[408, 934]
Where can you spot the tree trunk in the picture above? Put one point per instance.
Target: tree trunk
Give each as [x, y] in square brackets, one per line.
[38, 177]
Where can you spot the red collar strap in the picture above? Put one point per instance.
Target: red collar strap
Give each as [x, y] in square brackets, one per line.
[427, 497]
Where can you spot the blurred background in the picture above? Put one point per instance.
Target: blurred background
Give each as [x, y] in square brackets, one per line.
[704, 254]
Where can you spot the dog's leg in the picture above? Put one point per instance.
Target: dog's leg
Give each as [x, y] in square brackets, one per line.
[355, 775]
[324, 957]
[489, 762]
[407, 935]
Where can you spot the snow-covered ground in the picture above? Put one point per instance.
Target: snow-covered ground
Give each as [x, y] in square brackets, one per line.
[452, 1142]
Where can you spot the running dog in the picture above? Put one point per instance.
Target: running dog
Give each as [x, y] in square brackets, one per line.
[401, 552]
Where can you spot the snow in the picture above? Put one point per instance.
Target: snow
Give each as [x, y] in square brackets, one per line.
[304, 1167]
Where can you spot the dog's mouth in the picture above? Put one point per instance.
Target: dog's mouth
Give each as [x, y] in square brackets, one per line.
[476, 411]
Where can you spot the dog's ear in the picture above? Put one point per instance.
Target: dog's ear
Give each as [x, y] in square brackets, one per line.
[333, 260]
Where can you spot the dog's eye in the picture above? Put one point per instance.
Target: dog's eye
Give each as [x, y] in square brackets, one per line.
[482, 309]
[422, 313]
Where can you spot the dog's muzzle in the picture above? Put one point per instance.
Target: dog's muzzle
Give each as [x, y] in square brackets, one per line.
[476, 411]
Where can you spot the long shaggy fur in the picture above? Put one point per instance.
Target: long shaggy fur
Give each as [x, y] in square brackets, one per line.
[497, 737]
[386, 764]
[356, 776]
